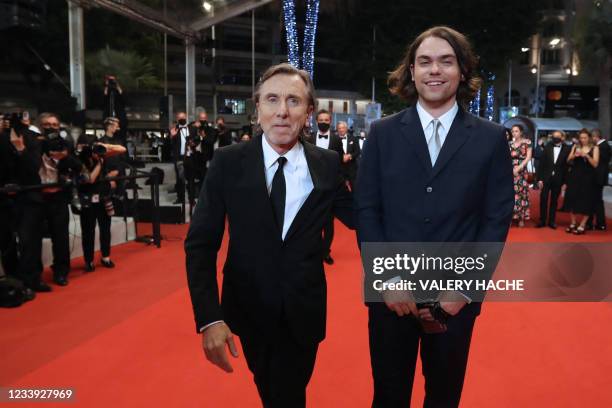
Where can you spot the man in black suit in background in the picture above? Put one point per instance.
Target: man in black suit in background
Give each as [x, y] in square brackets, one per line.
[324, 138]
[350, 153]
[551, 173]
[276, 193]
[602, 170]
[430, 173]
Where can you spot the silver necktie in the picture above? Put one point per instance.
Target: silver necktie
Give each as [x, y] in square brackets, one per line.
[434, 144]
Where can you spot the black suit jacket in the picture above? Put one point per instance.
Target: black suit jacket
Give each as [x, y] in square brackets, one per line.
[603, 168]
[467, 196]
[265, 278]
[550, 171]
[349, 169]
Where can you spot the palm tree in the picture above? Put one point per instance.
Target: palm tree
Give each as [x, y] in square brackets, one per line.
[132, 70]
[593, 36]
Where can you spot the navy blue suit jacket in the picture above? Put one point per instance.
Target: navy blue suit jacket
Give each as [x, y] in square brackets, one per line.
[467, 196]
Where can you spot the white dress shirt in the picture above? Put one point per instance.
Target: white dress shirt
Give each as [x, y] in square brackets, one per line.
[183, 133]
[556, 152]
[323, 142]
[344, 143]
[298, 184]
[446, 120]
[297, 178]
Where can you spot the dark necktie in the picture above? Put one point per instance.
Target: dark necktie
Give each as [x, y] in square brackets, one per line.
[278, 192]
[323, 136]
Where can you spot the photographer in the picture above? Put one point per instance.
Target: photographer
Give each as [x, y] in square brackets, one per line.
[58, 166]
[25, 156]
[200, 147]
[95, 197]
[49, 124]
[114, 105]
[8, 243]
[115, 164]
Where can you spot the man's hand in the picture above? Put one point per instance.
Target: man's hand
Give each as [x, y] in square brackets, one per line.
[400, 302]
[17, 141]
[214, 339]
[173, 131]
[347, 158]
[540, 184]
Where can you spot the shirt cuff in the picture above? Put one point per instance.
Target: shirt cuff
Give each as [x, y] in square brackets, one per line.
[394, 279]
[210, 324]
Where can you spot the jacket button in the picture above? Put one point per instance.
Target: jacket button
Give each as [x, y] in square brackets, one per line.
[427, 220]
[429, 189]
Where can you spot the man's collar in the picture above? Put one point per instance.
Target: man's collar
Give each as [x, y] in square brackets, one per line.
[446, 119]
[270, 155]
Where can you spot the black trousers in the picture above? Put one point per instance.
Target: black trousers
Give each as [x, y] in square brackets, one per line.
[8, 243]
[281, 368]
[549, 197]
[328, 236]
[195, 170]
[89, 216]
[394, 342]
[32, 215]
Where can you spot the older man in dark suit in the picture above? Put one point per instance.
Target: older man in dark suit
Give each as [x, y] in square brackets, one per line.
[276, 194]
[551, 173]
[430, 173]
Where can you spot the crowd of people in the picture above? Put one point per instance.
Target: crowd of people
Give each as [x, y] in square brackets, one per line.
[47, 168]
[576, 167]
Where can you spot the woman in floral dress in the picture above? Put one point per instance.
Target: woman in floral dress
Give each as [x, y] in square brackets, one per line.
[520, 151]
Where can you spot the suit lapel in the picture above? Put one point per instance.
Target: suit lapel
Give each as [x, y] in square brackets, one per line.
[413, 131]
[457, 135]
[255, 177]
[316, 169]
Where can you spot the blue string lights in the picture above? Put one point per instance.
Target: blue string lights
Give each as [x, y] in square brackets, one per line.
[474, 107]
[490, 97]
[310, 31]
[293, 52]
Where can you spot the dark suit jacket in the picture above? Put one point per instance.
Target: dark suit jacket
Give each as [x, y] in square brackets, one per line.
[265, 278]
[550, 171]
[467, 196]
[349, 169]
[603, 168]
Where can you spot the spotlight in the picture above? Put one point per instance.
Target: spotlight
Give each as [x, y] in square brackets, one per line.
[524, 49]
[554, 42]
[534, 69]
[207, 6]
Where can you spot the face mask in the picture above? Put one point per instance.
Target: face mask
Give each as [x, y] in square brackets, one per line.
[182, 122]
[556, 140]
[221, 126]
[323, 127]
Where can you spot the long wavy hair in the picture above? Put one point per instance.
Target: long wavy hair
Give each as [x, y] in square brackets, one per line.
[400, 80]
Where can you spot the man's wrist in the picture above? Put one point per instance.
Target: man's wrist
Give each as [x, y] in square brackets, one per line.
[203, 328]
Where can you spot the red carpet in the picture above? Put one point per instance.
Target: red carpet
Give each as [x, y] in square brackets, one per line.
[124, 337]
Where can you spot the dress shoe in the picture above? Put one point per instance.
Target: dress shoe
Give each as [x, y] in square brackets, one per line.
[540, 225]
[60, 280]
[89, 267]
[41, 286]
[108, 264]
[602, 228]
[28, 294]
[329, 260]
[552, 225]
